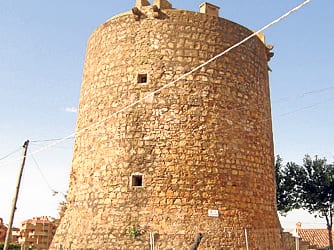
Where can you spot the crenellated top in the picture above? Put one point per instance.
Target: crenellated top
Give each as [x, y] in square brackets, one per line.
[161, 4]
[209, 9]
[205, 7]
[142, 6]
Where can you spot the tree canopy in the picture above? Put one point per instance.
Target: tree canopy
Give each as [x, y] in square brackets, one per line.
[310, 186]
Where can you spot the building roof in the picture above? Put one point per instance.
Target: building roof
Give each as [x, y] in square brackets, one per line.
[316, 237]
[38, 220]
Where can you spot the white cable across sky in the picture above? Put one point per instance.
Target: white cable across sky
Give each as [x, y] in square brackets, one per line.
[97, 124]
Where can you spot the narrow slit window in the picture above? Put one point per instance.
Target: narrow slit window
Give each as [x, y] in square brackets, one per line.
[137, 180]
[142, 78]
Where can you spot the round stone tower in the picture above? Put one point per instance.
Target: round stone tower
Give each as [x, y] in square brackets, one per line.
[195, 157]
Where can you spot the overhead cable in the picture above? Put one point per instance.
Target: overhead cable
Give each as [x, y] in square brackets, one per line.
[50, 140]
[11, 153]
[41, 173]
[97, 124]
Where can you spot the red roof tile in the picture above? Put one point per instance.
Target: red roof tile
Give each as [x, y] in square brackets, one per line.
[316, 237]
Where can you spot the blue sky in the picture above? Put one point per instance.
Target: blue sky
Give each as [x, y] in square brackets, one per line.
[42, 50]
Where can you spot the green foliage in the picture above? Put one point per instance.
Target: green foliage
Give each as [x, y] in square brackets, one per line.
[310, 186]
[11, 246]
[134, 231]
[286, 186]
[317, 189]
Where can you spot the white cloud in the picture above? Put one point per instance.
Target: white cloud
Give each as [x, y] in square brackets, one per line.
[71, 109]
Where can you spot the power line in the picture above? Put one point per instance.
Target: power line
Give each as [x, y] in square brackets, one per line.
[318, 91]
[11, 153]
[31, 144]
[303, 95]
[239, 108]
[280, 100]
[97, 124]
[41, 173]
[305, 107]
[51, 140]
[6, 163]
[289, 98]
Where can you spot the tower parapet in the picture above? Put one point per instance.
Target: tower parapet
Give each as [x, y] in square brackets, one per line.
[209, 9]
[141, 3]
[161, 4]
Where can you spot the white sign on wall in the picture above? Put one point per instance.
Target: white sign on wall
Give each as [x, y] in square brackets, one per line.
[213, 213]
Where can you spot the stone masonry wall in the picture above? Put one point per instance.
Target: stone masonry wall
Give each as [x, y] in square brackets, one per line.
[204, 143]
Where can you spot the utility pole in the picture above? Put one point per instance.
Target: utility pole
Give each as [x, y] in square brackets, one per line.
[9, 230]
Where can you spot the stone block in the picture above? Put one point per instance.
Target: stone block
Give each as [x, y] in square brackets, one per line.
[162, 4]
[142, 3]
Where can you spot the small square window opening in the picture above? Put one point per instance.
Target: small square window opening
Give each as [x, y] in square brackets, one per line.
[142, 78]
[137, 180]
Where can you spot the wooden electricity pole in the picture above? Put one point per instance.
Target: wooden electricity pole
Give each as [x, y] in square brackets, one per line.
[9, 230]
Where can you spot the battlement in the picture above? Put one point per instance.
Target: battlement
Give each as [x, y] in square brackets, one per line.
[205, 8]
[209, 9]
[161, 4]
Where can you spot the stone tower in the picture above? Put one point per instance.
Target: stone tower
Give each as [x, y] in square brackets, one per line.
[196, 157]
